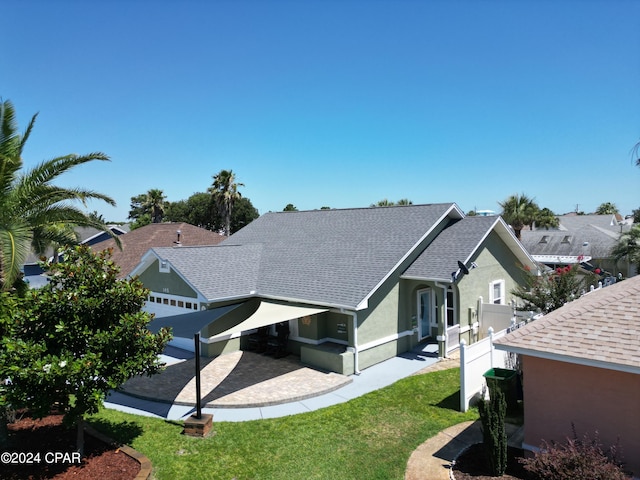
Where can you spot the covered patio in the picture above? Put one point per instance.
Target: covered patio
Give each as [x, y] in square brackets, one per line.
[234, 380]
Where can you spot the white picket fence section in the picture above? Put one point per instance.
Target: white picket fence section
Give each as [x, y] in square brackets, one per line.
[475, 360]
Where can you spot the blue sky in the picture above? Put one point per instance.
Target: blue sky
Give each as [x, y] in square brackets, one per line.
[334, 103]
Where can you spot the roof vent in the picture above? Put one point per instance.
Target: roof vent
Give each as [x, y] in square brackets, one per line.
[566, 239]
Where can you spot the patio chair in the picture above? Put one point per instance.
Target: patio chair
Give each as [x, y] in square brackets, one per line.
[258, 341]
[277, 345]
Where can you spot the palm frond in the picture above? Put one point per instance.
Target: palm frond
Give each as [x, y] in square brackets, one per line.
[15, 242]
[49, 170]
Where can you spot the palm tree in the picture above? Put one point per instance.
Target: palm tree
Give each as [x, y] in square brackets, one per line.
[518, 211]
[30, 204]
[64, 232]
[224, 191]
[628, 247]
[607, 208]
[154, 203]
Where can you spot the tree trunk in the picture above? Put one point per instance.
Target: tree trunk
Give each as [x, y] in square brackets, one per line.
[80, 436]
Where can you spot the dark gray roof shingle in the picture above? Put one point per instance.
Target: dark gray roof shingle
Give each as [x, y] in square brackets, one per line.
[335, 256]
[455, 243]
[329, 257]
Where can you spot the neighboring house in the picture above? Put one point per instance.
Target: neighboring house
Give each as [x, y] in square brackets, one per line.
[357, 286]
[586, 239]
[86, 236]
[581, 365]
[136, 243]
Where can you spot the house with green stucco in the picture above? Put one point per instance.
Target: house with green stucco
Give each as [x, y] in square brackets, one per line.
[356, 286]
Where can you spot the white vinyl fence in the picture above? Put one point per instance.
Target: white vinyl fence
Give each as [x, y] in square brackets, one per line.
[481, 356]
[475, 360]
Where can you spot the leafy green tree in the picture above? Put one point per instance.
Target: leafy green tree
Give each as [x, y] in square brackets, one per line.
[636, 215]
[141, 221]
[77, 338]
[30, 203]
[290, 208]
[151, 204]
[137, 206]
[243, 214]
[9, 304]
[552, 289]
[546, 219]
[518, 211]
[628, 247]
[387, 203]
[200, 210]
[97, 216]
[607, 208]
[225, 194]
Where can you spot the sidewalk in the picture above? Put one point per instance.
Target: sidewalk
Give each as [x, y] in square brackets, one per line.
[432, 460]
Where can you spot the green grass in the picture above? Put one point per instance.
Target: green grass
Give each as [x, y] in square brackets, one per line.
[370, 437]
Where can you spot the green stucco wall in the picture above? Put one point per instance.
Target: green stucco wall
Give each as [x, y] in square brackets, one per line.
[170, 283]
[495, 262]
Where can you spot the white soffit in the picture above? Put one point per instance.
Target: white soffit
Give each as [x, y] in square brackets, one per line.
[568, 259]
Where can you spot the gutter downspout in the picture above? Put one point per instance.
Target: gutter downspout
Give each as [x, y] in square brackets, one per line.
[443, 339]
[356, 362]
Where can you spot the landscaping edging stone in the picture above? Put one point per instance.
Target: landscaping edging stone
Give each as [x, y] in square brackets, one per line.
[145, 463]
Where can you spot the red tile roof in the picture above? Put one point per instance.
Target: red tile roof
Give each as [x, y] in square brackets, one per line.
[138, 241]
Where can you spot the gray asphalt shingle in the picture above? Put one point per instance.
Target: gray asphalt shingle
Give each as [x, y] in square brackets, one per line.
[455, 243]
[334, 257]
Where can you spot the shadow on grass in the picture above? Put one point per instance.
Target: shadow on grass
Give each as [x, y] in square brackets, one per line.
[123, 432]
[452, 402]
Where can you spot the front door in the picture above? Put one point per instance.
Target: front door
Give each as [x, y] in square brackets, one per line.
[426, 313]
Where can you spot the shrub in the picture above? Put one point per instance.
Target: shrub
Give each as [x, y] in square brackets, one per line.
[584, 459]
[494, 434]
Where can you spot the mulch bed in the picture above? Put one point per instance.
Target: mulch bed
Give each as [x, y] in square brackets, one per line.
[473, 464]
[32, 436]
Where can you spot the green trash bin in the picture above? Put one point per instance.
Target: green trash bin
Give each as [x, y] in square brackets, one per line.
[504, 380]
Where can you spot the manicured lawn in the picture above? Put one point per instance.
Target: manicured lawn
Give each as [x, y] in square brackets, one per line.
[370, 437]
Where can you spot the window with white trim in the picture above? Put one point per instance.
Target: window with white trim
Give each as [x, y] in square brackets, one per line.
[451, 310]
[497, 292]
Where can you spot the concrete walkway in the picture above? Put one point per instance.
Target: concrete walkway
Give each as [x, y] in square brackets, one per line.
[433, 459]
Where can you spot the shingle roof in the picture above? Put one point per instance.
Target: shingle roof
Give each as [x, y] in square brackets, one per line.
[218, 272]
[136, 242]
[600, 231]
[335, 256]
[327, 257]
[601, 328]
[455, 243]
